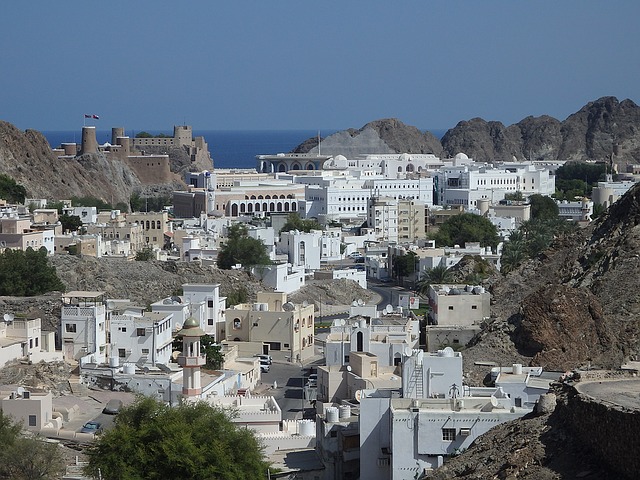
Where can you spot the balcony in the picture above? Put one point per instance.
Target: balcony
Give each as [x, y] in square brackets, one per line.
[198, 361]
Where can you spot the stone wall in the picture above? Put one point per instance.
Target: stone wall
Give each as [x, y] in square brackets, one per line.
[608, 430]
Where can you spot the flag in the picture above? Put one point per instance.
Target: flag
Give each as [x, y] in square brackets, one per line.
[96, 117]
[87, 116]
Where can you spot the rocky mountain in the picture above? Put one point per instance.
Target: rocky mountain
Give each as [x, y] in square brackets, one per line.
[381, 136]
[598, 130]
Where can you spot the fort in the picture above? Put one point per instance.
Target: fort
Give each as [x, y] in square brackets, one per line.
[148, 157]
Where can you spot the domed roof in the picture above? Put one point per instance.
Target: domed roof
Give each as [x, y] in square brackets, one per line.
[340, 158]
[461, 156]
[405, 157]
[191, 328]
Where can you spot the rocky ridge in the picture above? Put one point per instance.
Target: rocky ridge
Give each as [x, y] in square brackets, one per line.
[588, 134]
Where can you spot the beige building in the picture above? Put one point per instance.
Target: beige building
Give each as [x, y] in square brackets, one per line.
[249, 198]
[274, 321]
[412, 224]
[463, 305]
[113, 225]
[33, 410]
[154, 225]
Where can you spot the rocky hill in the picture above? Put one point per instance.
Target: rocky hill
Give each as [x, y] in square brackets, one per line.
[28, 159]
[576, 305]
[589, 134]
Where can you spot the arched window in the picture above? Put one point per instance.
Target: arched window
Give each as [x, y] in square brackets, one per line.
[242, 208]
[279, 206]
[294, 207]
[250, 207]
[286, 206]
[282, 167]
[234, 210]
[257, 207]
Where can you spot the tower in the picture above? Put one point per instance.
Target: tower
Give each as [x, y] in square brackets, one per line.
[89, 142]
[190, 359]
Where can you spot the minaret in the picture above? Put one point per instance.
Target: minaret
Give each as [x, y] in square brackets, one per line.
[190, 359]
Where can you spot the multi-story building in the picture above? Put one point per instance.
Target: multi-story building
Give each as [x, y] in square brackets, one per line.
[214, 306]
[435, 417]
[113, 225]
[383, 218]
[23, 339]
[274, 321]
[302, 249]
[143, 338]
[412, 220]
[83, 327]
[153, 224]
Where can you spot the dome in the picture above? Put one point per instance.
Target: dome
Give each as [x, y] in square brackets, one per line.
[405, 157]
[191, 323]
[340, 158]
[191, 328]
[461, 156]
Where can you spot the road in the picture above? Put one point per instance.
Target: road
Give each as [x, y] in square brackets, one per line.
[290, 379]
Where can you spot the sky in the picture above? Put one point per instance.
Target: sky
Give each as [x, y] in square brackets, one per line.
[295, 64]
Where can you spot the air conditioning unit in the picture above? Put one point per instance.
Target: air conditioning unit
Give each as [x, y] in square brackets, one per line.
[26, 394]
[465, 432]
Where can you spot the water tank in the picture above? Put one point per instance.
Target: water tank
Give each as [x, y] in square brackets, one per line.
[129, 368]
[256, 307]
[332, 414]
[517, 369]
[344, 411]
[114, 362]
[307, 428]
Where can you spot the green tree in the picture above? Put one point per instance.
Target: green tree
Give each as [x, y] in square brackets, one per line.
[242, 249]
[239, 295]
[145, 254]
[543, 207]
[27, 458]
[151, 440]
[27, 273]
[433, 276]
[213, 351]
[11, 191]
[467, 227]
[294, 222]
[70, 223]
[517, 196]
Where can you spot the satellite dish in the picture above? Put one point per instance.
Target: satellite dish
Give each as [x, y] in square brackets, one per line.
[288, 307]
[354, 304]
[111, 305]
[388, 309]
[343, 322]
[348, 368]
[358, 395]
[305, 304]
[360, 302]
[408, 351]
[178, 326]
[356, 325]
[8, 317]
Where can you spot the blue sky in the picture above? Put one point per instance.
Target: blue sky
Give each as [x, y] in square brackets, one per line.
[295, 64]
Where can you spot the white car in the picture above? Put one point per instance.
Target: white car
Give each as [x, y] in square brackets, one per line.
[264, 358]
[264, 367]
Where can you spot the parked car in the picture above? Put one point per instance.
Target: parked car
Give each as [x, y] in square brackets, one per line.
[91, 427]
[112, 407]
[264, 367]
[264, 358]
[313, 380]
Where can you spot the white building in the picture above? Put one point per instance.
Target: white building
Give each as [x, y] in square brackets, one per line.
[23, 339]
[214, 305]
[579, 211]
[83, 327]
[382, 218]
[302, 249]
[465, 305]
[437, 416]
[143, 338]
[282, 277]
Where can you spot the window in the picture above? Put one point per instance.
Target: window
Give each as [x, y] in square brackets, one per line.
[121, 353]
[140, 332]
[32, 420]
[448, 434]
[145, 351]
[210, 303]
[210, 321]
[450, 307]
[70, 328]
[474, 307]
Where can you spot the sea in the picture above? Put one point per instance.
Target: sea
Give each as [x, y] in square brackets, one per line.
[228, 148]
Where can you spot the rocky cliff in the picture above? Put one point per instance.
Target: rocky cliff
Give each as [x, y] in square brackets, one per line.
[599, 129]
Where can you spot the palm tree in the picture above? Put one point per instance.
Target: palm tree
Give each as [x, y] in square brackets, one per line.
[435, 275]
